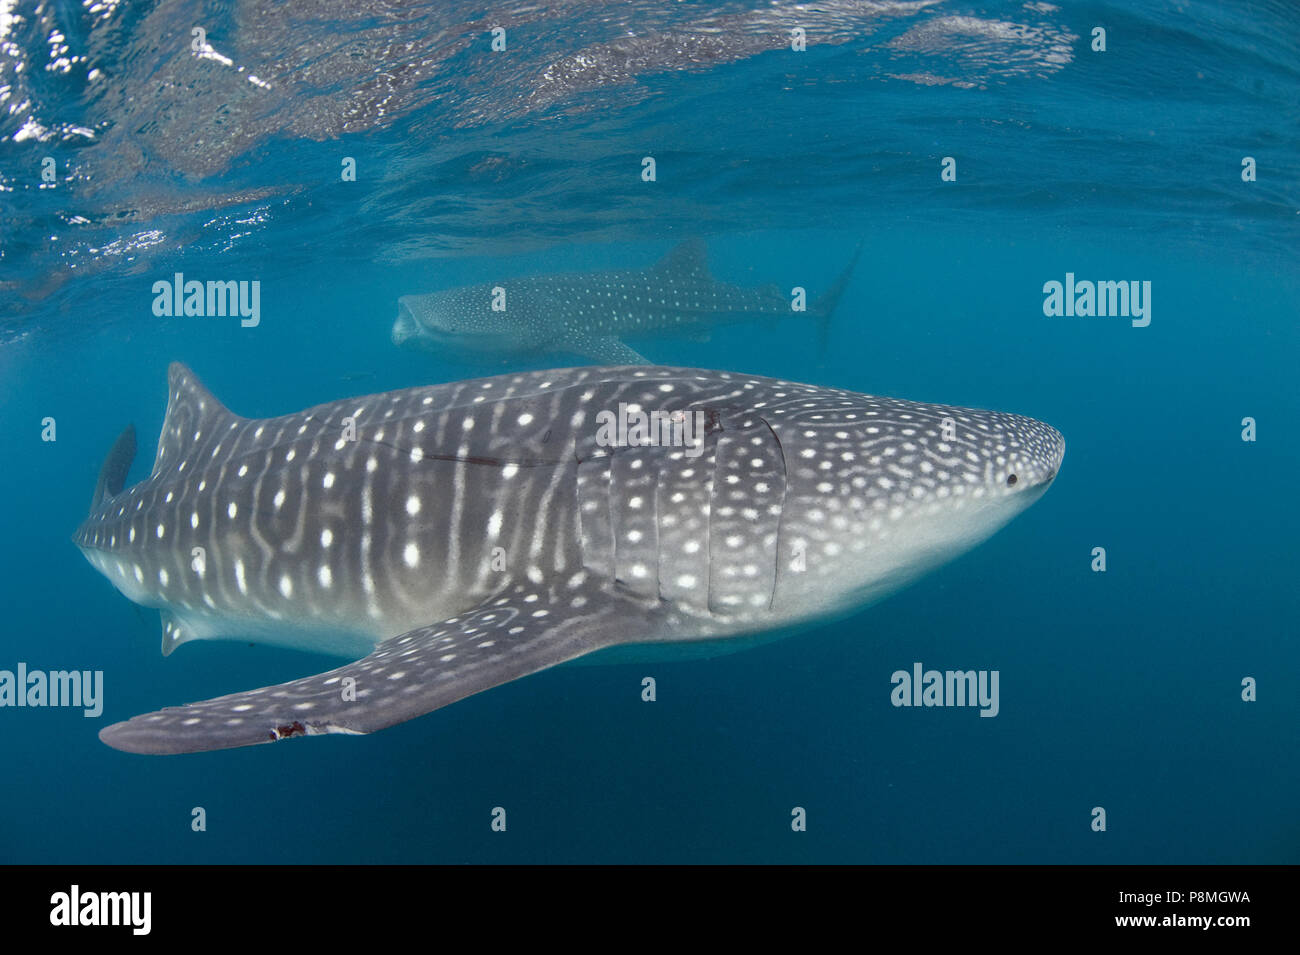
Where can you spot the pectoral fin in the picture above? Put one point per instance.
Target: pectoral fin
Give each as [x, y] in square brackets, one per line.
[405, 677]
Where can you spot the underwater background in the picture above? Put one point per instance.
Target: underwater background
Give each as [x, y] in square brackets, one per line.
[1120, 689]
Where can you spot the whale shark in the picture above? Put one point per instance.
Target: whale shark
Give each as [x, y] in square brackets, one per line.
[451, 538]
[590, 313]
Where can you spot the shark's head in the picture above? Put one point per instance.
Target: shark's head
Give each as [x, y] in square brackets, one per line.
[463, 319]
[881, 490]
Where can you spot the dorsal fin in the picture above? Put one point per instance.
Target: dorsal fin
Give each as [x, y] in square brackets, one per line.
[112, 475]
[192, 416]
[688, 258]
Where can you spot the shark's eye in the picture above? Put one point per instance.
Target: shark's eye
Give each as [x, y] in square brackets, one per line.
[1011, 480]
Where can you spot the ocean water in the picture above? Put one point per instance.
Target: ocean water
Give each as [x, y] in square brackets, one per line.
[1120, 689]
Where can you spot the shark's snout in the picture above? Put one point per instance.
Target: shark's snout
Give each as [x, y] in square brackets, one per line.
[1040, 461]
[1054, 454]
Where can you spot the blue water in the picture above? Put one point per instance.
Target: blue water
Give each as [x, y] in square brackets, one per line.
[1119, 689]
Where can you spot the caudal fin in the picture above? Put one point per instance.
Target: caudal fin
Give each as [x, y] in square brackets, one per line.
[824, 308]
[112, 475]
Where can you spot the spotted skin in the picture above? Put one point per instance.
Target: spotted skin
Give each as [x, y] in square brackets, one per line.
[459, 536]
[590, 313]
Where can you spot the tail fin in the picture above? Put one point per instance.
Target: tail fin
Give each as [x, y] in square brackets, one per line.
[112, 476]
[825, 306]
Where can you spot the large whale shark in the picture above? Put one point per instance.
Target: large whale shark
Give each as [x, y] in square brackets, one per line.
[459, 536]
[590, 313]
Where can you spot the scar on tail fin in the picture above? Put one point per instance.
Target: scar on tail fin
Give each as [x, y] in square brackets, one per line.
[112, 475]
[825, 306]
[407, 676]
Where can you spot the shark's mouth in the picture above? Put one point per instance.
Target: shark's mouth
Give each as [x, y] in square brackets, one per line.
[408, 330]
[405, 326]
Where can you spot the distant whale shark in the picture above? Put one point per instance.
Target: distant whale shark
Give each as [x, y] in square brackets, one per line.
[459, 536]
[590, 313]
